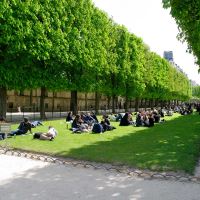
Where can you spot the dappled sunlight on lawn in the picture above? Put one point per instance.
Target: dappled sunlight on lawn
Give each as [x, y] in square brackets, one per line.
[172, 145]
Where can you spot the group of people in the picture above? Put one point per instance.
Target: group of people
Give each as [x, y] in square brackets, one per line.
[143, 118]
[88, 122]
[148, 118]
[26, 126]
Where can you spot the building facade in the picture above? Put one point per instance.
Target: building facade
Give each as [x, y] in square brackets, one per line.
[168, 55]
[29, 100]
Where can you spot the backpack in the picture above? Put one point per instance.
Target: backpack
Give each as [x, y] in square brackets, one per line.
[97, 128]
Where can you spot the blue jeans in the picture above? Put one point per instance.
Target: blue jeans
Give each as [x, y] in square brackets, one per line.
[17, 132]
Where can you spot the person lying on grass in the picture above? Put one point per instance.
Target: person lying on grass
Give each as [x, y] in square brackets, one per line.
[50, 135]
[36, 123]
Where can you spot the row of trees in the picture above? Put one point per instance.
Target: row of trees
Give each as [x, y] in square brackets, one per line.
[72, 45]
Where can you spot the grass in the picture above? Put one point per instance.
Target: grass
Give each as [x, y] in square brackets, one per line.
[170, 146]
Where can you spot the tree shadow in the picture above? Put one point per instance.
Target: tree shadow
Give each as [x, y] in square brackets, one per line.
[172, 145]
[51, 181]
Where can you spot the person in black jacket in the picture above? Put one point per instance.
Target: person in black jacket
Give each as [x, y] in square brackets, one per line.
[106, 124]
[125, 121]
[69, 117]
[23, 128]
[151, 120]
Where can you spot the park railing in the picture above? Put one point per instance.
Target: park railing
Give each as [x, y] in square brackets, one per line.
[16, 115]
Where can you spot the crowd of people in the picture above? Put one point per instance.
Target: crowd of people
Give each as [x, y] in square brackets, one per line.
[143, 118]
[88, 122]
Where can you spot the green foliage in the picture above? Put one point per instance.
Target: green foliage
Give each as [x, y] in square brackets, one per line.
[187, 16]
[72, 45]
[196, 91]
[163, 80]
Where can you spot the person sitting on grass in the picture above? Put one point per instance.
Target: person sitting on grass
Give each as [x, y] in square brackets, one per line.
[50, 135]
[139, 120]
[23, 128]
[112, 117]
[69, 117]
[106, 124]
[146, 119]
[78, 125]
[94, 117]
[156, 116]
[151, 120]
[126, 120]
[88, 119]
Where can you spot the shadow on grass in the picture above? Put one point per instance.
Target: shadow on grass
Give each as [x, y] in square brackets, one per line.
[172, 145]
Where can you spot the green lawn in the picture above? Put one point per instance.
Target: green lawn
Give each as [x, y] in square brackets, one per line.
[170, 146]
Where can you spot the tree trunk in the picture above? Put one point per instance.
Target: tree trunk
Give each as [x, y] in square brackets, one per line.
[169, 103]
[113, 103]
[74, 102]
[3, 102]
[109, 98]
[151, 103]
[156, 103]
[53, 102]
[137, 104]
[42, 108]
[31, 100]
[145, 104]
[130, 105]
[86, 102]
[126, 104]
[97, 100]
[142, 103]
[162, 103]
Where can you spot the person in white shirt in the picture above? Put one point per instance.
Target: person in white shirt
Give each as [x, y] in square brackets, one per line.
[50, 135]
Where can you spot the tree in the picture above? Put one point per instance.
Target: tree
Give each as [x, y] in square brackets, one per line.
[196, 91]
[187, 16]
[34, 44]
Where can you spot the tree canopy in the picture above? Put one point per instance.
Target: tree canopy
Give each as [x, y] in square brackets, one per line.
[72, 45]
[187, 16]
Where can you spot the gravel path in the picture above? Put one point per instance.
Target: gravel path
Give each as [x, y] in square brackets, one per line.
[26, 179]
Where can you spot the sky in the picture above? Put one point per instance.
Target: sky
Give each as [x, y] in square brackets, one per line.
[148, 20]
